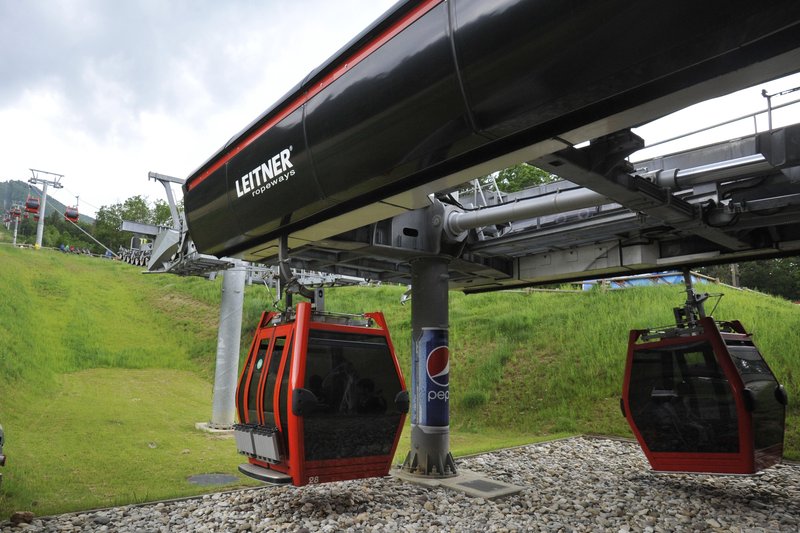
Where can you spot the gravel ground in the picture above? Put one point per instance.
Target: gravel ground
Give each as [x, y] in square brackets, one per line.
[580, 484]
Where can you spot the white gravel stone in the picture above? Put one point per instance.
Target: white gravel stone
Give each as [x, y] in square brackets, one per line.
[580, 484]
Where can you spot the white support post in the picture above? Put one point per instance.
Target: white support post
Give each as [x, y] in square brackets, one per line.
[40, 224]
[228, 343]
[55, 182]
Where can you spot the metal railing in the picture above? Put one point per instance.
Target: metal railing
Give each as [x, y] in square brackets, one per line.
[769, 110]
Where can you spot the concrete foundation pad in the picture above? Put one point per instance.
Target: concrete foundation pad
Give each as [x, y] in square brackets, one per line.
[473, 484]
[206, 426]
[212, 479]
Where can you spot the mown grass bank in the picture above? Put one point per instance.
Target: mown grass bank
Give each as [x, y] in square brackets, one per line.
[102, 377]
[104, 371]
[544, 363]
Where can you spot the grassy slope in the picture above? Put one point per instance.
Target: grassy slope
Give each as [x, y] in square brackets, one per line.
[546, 363]
[102, 377]
[103, 371]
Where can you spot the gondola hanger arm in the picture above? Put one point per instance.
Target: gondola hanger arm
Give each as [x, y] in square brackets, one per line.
[288, 280]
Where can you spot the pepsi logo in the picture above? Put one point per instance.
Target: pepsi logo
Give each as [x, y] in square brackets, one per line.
[438, 366]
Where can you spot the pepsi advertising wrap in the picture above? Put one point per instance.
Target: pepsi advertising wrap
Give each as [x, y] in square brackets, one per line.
[432, 357]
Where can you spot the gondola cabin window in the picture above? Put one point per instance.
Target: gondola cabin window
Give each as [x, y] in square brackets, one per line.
[272, 379]
[255, 377]
[681, 401]
[355, 383]
[762, 396]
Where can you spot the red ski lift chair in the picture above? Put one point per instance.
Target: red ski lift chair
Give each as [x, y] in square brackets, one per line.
[701, 398]
[320, 398]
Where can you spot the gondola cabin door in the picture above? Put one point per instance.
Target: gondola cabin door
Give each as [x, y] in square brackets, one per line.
[320, 399]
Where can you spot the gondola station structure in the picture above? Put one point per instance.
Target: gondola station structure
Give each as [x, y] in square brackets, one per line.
[699, 396]
[320, 398]
[359, 166]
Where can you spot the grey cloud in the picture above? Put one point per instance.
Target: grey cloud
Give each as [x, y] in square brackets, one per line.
[120, 57]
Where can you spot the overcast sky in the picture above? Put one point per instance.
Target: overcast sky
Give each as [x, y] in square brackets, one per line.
[103, 91]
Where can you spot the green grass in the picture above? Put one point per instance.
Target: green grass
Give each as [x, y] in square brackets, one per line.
[108, 437]
[542, 363]
[104, 371]
[97, 362]
[66, 313]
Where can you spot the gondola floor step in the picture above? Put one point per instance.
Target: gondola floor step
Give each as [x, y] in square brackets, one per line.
[264, 474]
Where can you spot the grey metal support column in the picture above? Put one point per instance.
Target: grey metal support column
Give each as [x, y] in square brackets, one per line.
[430, 394]
[40, 224]
[36, 178]
[16, 227]
[228, 343]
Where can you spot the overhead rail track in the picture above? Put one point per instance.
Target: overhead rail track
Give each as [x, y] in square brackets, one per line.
[729, 201]
[436, 93]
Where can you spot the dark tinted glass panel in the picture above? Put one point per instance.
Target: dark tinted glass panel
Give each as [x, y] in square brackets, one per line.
[681, 401]
[255, 377]
[240, 392]
[282, 402]
[768, 413]
[750, 364]
[272, 378]
[354, 378]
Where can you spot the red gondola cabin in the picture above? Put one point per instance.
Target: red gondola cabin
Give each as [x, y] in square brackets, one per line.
[71, 214]
[32, 204]
[703, 401]
[320, 398]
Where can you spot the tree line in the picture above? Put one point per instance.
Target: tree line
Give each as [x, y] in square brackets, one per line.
[58, 231]
[779, 277]
[134, 209]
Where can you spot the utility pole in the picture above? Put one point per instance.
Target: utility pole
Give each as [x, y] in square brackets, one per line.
[735, 274]
[56, 183]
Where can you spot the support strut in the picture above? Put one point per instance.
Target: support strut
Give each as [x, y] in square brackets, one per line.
[694, 309]
[430, 399]
[288, 280]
